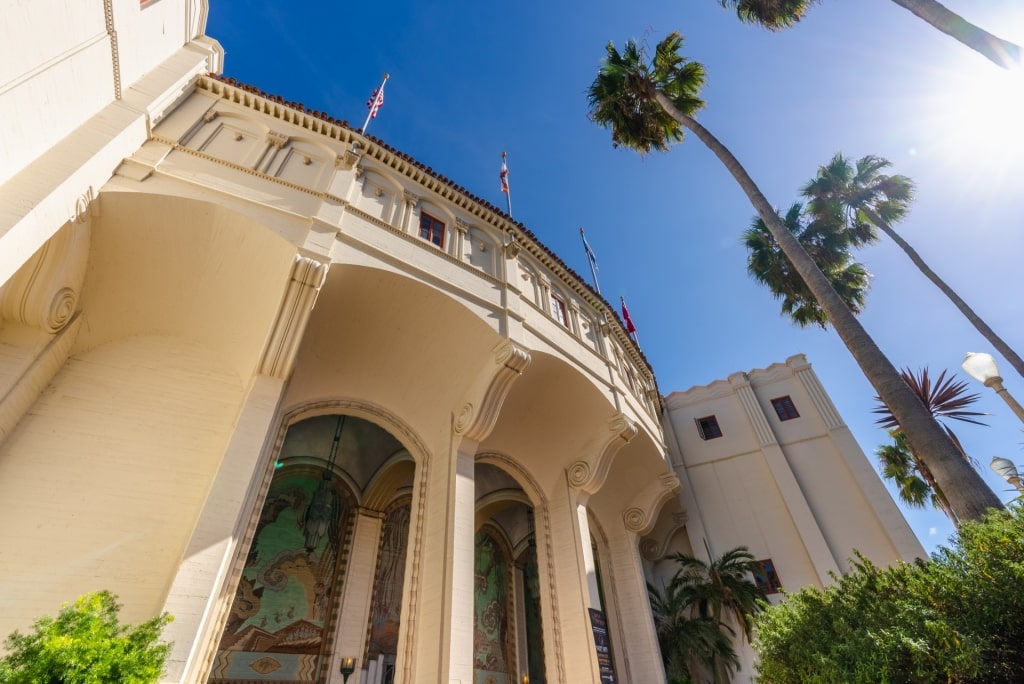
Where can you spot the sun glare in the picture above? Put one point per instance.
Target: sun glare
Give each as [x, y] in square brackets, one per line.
[989, 108]
[971, 112]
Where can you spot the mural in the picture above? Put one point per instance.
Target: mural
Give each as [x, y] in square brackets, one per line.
[387, 587]
[492, 638]
[275, 626]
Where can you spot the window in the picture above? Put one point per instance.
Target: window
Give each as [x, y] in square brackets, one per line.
[708, 427]
[432, 230]
[784, 408]
[558, 309]
[766, 578]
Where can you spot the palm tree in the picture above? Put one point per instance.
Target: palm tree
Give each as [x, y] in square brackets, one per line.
[690, 617]
[722, 587]
[944, 398]
[826, 245]
[687, 643]
[869, 199]
[781, 14]
[914, 482]
[647, 105]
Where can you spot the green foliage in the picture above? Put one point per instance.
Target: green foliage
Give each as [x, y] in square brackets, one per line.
[688, 616]
[955, 618]
[622, 97]
[825, 240]
[773, 15]
[86, 644]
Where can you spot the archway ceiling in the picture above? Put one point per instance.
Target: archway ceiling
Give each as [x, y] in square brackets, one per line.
[393, 342]
[362, 449]
[635, 467]
[550, 417]
[171, 266]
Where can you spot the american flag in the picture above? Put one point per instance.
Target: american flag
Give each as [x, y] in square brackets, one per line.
[504, 175]
[376, 101]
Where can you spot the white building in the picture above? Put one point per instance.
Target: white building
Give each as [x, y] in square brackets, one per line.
[317, 402]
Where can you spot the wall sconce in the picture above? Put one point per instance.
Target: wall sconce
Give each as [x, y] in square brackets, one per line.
[526, 679]
[348, 666]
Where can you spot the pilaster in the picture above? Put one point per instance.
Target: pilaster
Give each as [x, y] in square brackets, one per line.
[201, 592]
[359, 578]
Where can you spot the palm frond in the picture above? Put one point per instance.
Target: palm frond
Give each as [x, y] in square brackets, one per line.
[622, 95]
[773, 15]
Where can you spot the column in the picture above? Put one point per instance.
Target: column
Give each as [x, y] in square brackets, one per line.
[198, 597]
[439, 580]
[360, 574]
[634, 641]
[409, 203]
[458, 245]
[575, 580]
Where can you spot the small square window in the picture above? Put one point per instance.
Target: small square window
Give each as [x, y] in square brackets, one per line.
[432, 230]
[558, 310]
[784, 408]
[766, 578]
[708, 427]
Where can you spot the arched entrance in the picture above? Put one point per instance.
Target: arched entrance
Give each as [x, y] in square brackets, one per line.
[317, 555]
[508, 644]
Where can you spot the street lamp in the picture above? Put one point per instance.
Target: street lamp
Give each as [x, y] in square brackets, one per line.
[982, 367]
[1005, 468]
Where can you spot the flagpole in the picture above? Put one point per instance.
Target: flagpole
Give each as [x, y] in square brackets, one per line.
[377, 94]
[504, 183]
[592, 260]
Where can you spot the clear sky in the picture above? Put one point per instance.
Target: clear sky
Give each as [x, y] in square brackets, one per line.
[470, 79]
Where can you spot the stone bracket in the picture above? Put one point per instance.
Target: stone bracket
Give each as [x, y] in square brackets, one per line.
[589, 475]
[476, 422]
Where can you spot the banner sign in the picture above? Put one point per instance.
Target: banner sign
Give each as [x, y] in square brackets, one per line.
[603, 645]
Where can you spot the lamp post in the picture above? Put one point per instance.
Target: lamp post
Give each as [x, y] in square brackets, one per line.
[982, 367]
[1005, 468]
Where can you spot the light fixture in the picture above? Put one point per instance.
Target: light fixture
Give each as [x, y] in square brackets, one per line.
[348, 666]
[325, 504]
[1005, 468]
[982, 367]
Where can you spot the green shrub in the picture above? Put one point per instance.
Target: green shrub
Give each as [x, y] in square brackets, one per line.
[955, 618]
[86, 644]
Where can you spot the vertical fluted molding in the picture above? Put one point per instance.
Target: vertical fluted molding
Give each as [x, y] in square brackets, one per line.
[748, 400]
[819, 398]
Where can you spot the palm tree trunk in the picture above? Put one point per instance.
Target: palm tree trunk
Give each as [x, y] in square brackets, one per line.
[940, 498]
[1002, 52]
[980, 325]
[968, 495]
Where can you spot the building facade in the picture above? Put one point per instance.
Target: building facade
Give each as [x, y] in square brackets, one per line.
[318, 402]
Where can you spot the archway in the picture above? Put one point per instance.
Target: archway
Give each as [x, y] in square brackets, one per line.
[304, 586]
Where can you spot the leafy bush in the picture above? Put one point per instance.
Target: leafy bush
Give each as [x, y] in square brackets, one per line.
[86, 644]
[955, 618]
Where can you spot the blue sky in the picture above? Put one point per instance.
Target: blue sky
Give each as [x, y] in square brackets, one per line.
[471, 79]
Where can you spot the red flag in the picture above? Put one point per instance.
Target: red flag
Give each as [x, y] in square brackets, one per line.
[504, 175]
[630, 328]
[376, 101]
